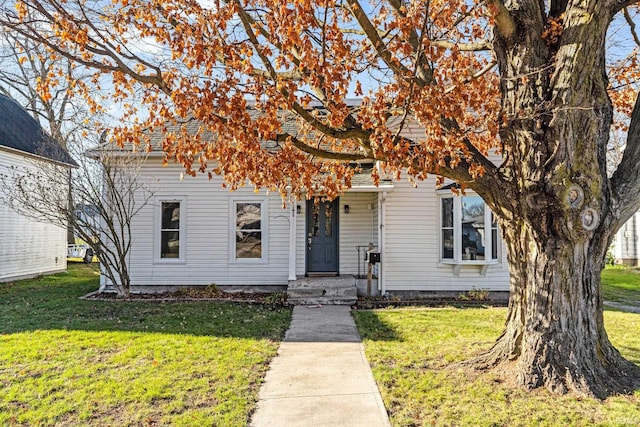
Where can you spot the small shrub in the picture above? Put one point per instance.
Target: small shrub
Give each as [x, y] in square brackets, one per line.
[474, 295]
[276, 298]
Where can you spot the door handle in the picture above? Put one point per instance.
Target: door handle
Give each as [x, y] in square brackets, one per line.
[309, 242]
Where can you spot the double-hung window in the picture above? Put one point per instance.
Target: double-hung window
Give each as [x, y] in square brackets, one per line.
[468, 230]
[171, 233]
[249, 227]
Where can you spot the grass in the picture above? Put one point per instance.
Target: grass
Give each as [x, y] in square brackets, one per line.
[69, 362]
[621, 284]
[413, 353]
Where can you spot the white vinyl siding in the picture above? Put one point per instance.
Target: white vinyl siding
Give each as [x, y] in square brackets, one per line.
[301, 238]
[27, 247]
[206, 210]
[411, 257]
[357, 228]
[412, 253]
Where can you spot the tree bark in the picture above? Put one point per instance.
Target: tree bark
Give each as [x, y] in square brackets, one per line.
[554, 335]
[557, 214]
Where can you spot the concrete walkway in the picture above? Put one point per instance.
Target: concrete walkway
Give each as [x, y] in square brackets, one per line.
[320, 376]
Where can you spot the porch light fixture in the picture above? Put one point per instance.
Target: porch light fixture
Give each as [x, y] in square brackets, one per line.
[346, 209]
[298, 209]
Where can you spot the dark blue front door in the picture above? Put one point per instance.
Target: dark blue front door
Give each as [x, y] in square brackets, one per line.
[322, 237]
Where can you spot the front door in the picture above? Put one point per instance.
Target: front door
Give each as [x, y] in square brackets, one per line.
[322, 237]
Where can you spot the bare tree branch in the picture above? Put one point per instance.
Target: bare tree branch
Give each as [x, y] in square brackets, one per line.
[377, 43]
[624, 182]
[632, 26]
[110, 187]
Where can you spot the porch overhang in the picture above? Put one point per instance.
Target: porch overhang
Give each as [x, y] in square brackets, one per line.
[370, 188]
[362, 182]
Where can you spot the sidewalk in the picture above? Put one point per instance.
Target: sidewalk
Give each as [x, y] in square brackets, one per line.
[320, 376]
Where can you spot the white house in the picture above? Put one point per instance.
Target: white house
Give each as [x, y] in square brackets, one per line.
[27, 247]
[197, 233]
[626, 246]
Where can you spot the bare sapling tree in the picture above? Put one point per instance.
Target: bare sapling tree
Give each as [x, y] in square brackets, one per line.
[107, 182]
[24, 67]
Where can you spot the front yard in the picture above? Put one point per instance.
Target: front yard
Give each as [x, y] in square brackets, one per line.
[412, 354]
[68, 362]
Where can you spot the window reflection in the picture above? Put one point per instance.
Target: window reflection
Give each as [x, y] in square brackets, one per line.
[328, 226]
[466, 227]
[315, 220]
[170, 230]
[447, 228]
[248, 230]
[473, 228]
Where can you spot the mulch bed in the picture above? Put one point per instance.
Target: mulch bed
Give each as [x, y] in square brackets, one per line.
[213, 294]
[365, 303]
[194, 294]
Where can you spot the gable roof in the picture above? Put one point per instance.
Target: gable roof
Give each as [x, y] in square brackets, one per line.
[20, 131]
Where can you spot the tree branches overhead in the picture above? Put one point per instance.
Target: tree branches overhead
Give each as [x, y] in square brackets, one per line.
[408, 63]
[236, 65]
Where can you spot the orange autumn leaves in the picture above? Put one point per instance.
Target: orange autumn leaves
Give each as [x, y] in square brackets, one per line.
[269, 82]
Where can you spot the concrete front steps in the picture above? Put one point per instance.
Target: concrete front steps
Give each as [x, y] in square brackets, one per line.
[336, 290]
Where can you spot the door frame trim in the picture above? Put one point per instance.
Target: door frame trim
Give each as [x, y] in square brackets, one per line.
[307, 225]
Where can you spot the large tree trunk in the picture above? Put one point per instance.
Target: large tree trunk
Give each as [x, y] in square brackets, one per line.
[554, 335]
[556, 213]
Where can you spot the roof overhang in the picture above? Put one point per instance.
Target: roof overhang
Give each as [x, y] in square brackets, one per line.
[37, 157]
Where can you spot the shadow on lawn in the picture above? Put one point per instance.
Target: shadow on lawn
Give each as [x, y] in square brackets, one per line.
[632, 354]
[372, 327]
[53, 304]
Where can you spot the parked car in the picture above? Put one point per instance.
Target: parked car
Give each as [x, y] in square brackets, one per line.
[80, 253]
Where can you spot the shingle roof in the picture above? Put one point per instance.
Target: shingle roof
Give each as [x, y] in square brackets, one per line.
[20, 131]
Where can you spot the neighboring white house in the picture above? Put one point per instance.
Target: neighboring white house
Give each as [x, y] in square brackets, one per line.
[27, 247]
[626, 246]
[197, 233]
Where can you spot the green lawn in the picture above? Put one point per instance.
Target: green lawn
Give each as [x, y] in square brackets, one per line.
[621, 284]
[412, 351]
[64, 361]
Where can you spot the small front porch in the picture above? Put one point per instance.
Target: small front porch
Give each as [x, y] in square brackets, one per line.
[331, 238]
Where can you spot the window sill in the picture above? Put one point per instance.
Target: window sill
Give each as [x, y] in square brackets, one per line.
[249, 261]
[169, 261]
[458, 264]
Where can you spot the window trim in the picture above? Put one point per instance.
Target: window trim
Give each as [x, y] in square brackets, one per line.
[157, 230]
[264, 230]
[457, 260]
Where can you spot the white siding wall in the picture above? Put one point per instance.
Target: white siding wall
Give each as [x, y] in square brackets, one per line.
[357, 228]
[626, 247]
[411, 250]
[411, 228]
[27, 248]
[301, 239]
[206, 235]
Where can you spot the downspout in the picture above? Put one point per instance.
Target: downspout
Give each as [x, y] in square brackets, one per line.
[292, 239]
[382, 197]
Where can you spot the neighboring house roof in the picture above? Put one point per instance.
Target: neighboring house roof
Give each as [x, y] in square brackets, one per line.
[20, 131]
